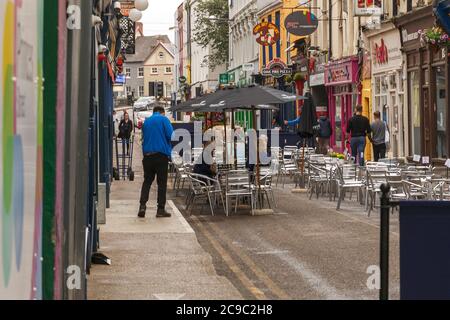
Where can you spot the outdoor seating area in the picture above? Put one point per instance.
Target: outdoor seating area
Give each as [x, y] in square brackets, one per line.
[324, 177]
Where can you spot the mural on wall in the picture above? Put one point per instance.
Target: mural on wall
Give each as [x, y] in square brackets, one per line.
[21, 90]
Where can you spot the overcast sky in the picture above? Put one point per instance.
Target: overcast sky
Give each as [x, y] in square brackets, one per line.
[159, 17]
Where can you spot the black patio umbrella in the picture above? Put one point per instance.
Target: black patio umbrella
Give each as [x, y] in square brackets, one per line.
[309, 117]
[251, 97]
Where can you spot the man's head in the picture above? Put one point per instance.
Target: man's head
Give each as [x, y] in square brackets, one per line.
[377, 115]
[159, 109]
[359, 109]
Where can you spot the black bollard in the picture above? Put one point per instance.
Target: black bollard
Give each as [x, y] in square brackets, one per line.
[384, 241]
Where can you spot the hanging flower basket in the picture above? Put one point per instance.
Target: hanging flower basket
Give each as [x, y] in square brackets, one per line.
[288, 79]
[435, 37]
[299, 77]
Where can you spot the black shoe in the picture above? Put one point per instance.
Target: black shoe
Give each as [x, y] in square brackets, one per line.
[142, 210]
[161, 213]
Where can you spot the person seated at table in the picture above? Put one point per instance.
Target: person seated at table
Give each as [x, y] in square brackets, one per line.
[206, 168]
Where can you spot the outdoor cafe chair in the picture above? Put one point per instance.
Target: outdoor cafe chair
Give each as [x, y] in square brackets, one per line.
[213, 188]
[347, 179]
[415, 190]
[238, 185]
[375, 177]
[318, 181]
[199, 189]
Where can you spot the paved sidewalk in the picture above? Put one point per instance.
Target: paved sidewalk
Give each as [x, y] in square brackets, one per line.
[152, 258]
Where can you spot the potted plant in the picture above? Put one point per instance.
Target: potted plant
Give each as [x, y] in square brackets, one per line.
[299, 77]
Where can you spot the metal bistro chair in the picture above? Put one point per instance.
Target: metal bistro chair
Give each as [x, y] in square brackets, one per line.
[375, 177]
[238, 185]
[347, 179]
[198, 189]
[318, 180]
[266, 188]
[204, 187]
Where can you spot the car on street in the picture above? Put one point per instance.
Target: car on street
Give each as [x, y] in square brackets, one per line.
[144, 104]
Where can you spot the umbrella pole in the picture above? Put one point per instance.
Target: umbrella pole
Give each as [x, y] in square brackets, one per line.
[233, 127]
[258, 172]
[224, 144]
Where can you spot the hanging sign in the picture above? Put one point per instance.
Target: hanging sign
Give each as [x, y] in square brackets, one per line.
[301, 23]
[276, 68]
[182, 79]
[368, 7]
[126, 6]
[267, 33]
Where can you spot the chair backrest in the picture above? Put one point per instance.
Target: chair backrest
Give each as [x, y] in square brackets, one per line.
[197, 186]
[238, 180]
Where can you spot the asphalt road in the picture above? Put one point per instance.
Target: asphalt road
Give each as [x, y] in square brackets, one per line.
[306, 250]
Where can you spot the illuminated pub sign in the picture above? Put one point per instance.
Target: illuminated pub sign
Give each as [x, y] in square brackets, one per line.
[341, 72]
[267, 33]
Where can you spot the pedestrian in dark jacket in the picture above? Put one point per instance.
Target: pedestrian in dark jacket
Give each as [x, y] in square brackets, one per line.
[359, 129]
[125, 131]
[325, 133]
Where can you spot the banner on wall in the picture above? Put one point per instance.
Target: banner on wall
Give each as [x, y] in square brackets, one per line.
[20, 148]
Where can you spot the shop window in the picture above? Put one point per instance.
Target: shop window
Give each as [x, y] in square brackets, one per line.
[441, 113]
[414, 98]
[338, 121]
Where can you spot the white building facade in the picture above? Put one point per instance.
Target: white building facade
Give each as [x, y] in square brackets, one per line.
[244, 50]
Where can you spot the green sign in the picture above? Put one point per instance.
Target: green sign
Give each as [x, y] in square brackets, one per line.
[224, 78]
[183, 79]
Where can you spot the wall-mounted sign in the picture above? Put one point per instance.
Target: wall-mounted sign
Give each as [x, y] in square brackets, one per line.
[267, 33]
[182, 79]
[248, 67]
[126, 6]
[120, 79]
[368, 7]
[276, 68]
[301, 23]
[385, 51]
[341, 72]
[381, 52]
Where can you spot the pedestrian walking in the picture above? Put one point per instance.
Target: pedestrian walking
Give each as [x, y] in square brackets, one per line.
[358, 128]
[157, 134]
[125, 130]
[379, 131]
[325, 133]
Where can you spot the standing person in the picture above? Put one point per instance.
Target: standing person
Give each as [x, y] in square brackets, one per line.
[125, 130]
[157, 134]
[325, 132]
[359, 128]
[378, 140]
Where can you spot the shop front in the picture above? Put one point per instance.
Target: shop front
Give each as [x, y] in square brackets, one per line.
[387, 84]
[318, 90]
[427, 74]
[341, 81]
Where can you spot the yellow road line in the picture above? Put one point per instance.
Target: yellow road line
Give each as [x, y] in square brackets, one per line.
[272, 286]
[248, 284]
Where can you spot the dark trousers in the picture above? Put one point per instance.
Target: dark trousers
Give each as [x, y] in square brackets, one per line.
[358, 145]
[379, 151]
[155, 165]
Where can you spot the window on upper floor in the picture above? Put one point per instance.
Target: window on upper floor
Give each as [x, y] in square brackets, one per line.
[141, 72]
[128, 72]
[168, 70]
[161, 55]
[154, 70]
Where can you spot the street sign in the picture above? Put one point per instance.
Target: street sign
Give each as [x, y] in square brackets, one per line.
[223, 78]
[276, 68]
[268, 33]
[301, 23]
[182, 79]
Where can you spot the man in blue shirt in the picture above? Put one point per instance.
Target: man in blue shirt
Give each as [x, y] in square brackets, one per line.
[157, 134]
